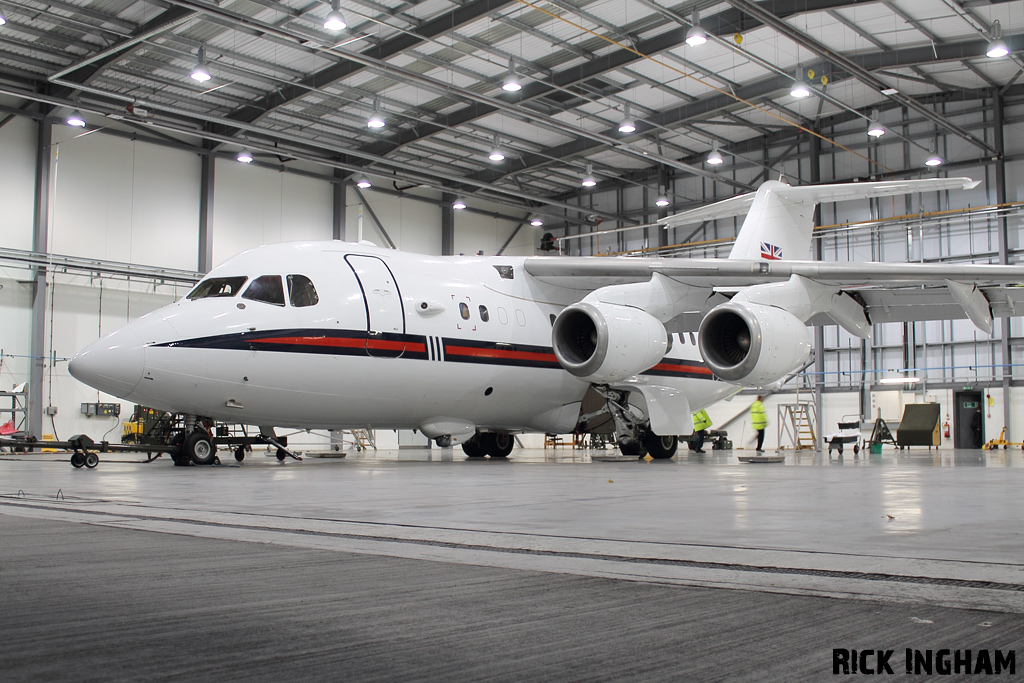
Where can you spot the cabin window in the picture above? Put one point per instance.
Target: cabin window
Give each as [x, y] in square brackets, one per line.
[693, 339]
[301, 291]
[266, 288]
[502, 316]
[484, 315]
[464, 311]
[218, 287]
[520, 318]
[552, 319]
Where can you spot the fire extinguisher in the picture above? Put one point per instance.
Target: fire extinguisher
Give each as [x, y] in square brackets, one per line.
[945, 428]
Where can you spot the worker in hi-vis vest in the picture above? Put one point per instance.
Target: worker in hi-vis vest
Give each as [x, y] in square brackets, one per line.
[701, 422]
[759, 419]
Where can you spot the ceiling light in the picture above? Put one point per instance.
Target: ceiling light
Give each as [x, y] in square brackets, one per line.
[512, 83]
[335, 20]
[496, 154]
[627, 125]
[3, 19]
[536, 221]
[696, 35]
[459, 204]
[75, 119]
[997, 48]
[714, 156]
[376, 120]
[662, 199]
[201, 71]
[589, 180]
[875, 129]
[800, 88]
[933, 160]
[899, 380]
[363, 183]
[245, 157]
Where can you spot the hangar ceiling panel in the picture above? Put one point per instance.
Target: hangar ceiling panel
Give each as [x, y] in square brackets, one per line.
[295, 92]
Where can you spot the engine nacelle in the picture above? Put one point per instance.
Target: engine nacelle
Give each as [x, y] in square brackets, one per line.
[602, 343]
[751, 344]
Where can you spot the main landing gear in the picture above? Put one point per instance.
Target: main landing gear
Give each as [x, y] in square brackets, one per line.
[494, 444]
[632, 434]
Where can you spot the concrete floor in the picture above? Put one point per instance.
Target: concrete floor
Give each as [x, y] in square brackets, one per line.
[556, 564]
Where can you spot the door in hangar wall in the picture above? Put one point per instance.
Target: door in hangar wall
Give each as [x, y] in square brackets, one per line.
[385, 314]
[967, 405]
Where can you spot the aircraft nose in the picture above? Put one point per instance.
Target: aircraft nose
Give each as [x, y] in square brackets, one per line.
[113, 364]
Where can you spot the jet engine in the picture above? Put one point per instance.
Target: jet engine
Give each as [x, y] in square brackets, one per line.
[751, 344]
[601, 342]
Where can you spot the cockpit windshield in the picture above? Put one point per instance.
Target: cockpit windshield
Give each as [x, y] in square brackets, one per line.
[301, 291]
[218, 287]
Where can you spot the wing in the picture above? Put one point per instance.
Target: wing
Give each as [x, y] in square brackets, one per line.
[887, 292]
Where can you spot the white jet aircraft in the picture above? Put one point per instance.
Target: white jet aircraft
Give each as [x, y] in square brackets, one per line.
[333, 335]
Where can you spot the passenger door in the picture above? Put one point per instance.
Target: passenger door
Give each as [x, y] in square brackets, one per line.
[385, 315]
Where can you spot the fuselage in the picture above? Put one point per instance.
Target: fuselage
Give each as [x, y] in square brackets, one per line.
[340, 335]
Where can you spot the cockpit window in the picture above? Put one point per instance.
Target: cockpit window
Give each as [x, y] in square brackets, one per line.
[301, 291]
[218, 286]
[266, 288]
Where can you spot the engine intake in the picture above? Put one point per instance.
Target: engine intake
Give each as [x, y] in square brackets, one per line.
[751, 344]
[603, 343]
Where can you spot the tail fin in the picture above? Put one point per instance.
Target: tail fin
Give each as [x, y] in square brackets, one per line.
[780, 217]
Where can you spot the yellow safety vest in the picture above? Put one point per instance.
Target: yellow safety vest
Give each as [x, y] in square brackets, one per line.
[757, 415]
[701, 420]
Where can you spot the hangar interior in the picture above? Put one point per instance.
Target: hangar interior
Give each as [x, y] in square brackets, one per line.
[143, 142]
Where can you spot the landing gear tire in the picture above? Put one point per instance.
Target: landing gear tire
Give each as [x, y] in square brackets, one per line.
[180, 459]
[632, 447]
[91, 460]
[661, 447]
[475, 447]
[240, 454]
[281, 455]
[77, 459]
[499, 444]
[444, 441]
[199, 447]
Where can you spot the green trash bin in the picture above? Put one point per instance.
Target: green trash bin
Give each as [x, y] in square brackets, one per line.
[876, 448]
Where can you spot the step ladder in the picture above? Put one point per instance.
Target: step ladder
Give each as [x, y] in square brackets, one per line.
[798, 426]
[364, 439]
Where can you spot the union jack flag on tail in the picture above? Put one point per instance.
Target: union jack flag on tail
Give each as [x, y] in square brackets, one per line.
[770, 252]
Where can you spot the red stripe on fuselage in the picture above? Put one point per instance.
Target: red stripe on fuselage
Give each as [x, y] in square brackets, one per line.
[674, 367]
[344, 342]
[500, 353]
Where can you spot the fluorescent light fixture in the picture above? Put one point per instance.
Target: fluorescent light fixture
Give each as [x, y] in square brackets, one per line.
[933, 160]
[800, 88]
[696, 35]
[899, 380]
[363, 183]
[376, 120]
[335, 20]
[75, 120]
[536, 221]
[628, 125]
[511, 83]
[662, 199]
[714, 156]
[245, 157]
[3, 19]
[889, 91]
[997, 48]
[589, 180]
[496, 154]
[459, 204]
[201, 71]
